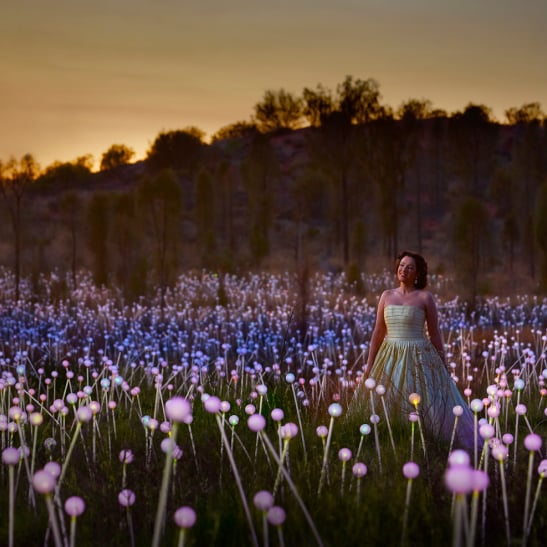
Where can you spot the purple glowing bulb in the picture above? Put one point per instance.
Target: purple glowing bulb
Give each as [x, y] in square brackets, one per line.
[74, 506]
[263, 500]
[185, 517]
[532, 442]
[411, 470]
[256, 422]
[177, 409]
[276, 515]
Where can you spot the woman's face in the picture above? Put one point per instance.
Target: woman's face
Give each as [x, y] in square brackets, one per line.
[406, 271]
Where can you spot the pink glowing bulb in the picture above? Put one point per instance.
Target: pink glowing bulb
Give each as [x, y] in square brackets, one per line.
[508, 438]
[335, 410]
[414, 399]
[370, 383]
[263, 500]
[459, 479]
[481, 480]
[532, 442]
[185, 517]
[84, 414]
[459, 458]
[359, 469]
[322, 431]
[520, 409]
[126, 497]
[53, 468]
[542, 467]
[74, 506]
[277, 415]
[476, 405]
[212, 404]
[457, 410]
[276, 515]
[126, 456]
[43, 482]
[500, 452]
[411, 470]
[250, 409]
[344, 454]
[177, 409]
[413, 417]
[486, 431]
[380, 389]
[11, 456]
[225, 407]
[288, 431]
[256, 422]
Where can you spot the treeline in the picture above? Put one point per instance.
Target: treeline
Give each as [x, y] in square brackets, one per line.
[324, 180]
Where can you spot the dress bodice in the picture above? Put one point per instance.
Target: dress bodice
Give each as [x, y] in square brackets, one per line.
[404, 322]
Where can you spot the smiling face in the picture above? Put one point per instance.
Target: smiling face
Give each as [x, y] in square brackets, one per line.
[407, 271]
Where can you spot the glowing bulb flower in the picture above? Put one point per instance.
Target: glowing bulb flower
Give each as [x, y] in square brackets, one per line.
[177, 409]
[74, 506]
[263, 500]
[126, 497]
[185, 517]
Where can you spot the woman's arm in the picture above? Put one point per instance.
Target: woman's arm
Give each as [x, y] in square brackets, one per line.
[432, 320]
[378, 335]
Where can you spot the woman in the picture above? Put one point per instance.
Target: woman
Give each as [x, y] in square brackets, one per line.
[405, 360]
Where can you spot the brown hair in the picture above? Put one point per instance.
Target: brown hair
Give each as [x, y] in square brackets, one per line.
[421, 267]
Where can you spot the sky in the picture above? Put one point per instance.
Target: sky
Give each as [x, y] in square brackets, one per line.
[77, 76]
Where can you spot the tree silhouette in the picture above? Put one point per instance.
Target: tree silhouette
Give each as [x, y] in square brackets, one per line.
[278, 110]
[411, 114]
[540, 228]
[259, 170]
[98, 216]
[318, 104]
[528, 158]
[70, 208]
[16, 179]
[359, 100]
[205, 217]
[115, 156]
[160, 203]
[471, 239]
[178, 150]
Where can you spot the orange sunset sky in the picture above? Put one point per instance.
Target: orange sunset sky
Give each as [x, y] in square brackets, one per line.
[78, 76]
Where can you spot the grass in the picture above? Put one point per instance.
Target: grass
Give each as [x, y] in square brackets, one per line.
[183, 349]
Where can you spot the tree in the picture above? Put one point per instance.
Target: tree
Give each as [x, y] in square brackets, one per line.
[16, 178]
[160, 201]
[178, 150]
[359, 100]
[128, 259]
[474, 138]
[70, 206]
[98, 216]
[334, 149]
[116, 155]
[540, 228]
[278, 110]
[470, 238]
[237, 130]
[259, 169]
[411, 114]
[64, 175]
[526, 114]
[318, 105]
[205, 216]
[527, 168]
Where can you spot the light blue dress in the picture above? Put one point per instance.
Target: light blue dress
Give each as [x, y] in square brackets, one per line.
[407, 362]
